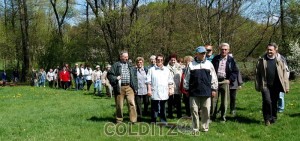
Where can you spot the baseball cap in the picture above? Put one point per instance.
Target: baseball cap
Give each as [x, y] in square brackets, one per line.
[200, 49]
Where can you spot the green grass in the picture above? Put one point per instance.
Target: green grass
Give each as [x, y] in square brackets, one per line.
[31, 113]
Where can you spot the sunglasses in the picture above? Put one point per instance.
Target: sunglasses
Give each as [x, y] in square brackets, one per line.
[208, 50]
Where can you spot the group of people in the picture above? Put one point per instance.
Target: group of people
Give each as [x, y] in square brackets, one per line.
[202, 82]
[14, 77]
[76, 77]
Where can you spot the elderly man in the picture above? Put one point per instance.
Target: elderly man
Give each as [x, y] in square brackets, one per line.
[271, 79]
[227, 72]
[201, 82]
[209, 52]
[124, 82]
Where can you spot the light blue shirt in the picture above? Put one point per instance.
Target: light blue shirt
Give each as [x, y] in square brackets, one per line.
[141, 77]
[160, 79]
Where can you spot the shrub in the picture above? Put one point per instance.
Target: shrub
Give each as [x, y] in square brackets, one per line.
[294, 57]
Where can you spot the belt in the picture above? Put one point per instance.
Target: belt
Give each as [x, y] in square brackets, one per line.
[125, 84]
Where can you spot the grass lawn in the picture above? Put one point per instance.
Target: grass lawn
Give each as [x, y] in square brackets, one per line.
[32, 113]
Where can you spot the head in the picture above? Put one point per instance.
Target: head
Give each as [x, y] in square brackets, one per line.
[201, 53]
[272, 49]
[76, 65]
[64, 68]
[180, 61]
[172, 59]
[224, 49]
[82, 65]
[188, 59]
[124, 56]
[209, 49]
[152, 59]
[159, 60]
[108, 66]
[98, 67]
[51, 70]
[139, 62]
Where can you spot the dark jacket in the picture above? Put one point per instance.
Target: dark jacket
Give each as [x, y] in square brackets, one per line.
[200, 82]
[115, 71]
[231, 68]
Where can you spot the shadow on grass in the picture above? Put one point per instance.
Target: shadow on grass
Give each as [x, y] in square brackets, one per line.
[295, 115]
[101, 119]
[242, 119]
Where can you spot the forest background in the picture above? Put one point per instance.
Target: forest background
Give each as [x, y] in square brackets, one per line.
[47, 33]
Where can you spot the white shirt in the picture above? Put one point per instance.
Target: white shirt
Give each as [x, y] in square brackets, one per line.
[88, 74]
[96, 75]
[50, 76]
[159, 80]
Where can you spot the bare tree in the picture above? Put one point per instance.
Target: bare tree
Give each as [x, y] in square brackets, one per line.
[60, 21]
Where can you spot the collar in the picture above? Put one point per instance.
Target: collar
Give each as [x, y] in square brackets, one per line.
[271, 57]
[158, 68]
[199, 61]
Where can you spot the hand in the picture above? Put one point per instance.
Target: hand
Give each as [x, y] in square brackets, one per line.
[227, 81]
[213, 94]
[149, 94]
[118, 77]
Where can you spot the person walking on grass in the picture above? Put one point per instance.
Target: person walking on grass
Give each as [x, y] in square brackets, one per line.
[160, 87]
[96, 78]
[227, 72]
[271, 79]
[201, 83]
[88, 77]
[175, 99]
[124, 82]
[50, 77]
[141, 95]
[105, 81]
[65, 78]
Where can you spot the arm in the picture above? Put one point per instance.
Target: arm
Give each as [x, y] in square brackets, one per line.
[148, 83]
[214, 81]
[186, 80]
[258, 78]
[112, 74]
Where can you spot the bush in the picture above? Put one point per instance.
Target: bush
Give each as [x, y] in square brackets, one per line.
[294, 57]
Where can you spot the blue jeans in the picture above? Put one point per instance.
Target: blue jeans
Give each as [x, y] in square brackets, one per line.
[77, 83]
[98, 86]
[281, 102]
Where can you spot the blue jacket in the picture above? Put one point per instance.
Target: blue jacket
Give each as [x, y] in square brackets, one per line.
[231, 68]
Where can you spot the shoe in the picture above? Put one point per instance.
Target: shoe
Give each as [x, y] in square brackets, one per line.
[205, 130]
[267, 123]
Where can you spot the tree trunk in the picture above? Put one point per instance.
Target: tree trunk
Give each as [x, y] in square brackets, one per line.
[25, 38]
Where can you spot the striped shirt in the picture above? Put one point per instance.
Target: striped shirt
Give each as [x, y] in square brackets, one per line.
[222, 68]
[125, 74]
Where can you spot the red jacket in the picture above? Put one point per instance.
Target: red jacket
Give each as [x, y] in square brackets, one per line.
[64, 76]
[182, 90]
